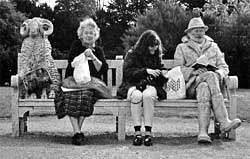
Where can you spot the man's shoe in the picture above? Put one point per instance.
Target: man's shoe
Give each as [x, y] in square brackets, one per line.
[231, 125]
[205, 139]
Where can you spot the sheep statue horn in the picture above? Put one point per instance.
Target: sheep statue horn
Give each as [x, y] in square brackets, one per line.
[24, 30]
[46, 27]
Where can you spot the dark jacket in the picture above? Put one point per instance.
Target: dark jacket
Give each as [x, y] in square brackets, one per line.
[76, 49]
[134, 71]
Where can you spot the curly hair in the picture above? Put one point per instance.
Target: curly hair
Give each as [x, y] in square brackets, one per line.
[88, 22]
[148, 38]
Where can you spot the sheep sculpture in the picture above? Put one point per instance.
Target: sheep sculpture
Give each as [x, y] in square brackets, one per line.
[36, 57]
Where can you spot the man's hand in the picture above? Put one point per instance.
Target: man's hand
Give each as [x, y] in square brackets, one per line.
[199, 71]
[155, 73]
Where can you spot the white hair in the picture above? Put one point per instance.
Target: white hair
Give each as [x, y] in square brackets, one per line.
[89, 22]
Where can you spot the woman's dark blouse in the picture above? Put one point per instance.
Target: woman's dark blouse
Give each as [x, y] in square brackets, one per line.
[76, 49]
[134, 70]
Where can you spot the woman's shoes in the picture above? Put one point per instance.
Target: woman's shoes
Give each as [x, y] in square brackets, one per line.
[148, 140]
[138, 140]
[78, 139]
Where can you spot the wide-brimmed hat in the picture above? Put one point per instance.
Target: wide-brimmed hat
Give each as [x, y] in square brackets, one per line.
[196, 23]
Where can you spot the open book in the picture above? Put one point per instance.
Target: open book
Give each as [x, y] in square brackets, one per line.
[202, 61]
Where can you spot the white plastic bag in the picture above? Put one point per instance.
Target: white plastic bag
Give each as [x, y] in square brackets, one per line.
[81, 72]
[175, 87]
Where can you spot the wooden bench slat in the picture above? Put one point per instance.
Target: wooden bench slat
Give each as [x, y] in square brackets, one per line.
[109, 82]
[186, 103]
[61, 64]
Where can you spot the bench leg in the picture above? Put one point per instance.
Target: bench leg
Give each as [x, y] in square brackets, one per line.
[232, 135]
[15, 126]
[217, 131]
[21, 126]
[116, 123]
[23, 123]
[233, 113]
[14, 112]
[121, 123]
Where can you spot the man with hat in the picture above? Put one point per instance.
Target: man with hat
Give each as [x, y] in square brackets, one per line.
[204, 84]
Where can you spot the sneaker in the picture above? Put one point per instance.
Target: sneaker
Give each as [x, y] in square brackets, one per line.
[148, 140]
[76, 139]
[137, 140]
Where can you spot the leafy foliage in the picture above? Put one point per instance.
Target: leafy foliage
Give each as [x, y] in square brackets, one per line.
[10, 40]
[119, 16]
[231, 30]
[167, 19]
[30, 9]
[67, 15]
[193, 3]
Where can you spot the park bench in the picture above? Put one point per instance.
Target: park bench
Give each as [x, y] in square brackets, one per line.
[120, 108]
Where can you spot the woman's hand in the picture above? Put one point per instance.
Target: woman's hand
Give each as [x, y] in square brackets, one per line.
[89, 53]
[164, 72]
[90, 56]
[199, 71]
[155, 73]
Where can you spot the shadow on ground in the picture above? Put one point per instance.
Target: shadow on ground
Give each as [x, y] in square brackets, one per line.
[106, 138]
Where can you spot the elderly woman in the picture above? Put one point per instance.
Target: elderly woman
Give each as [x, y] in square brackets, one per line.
[202, 83]
[78, 104]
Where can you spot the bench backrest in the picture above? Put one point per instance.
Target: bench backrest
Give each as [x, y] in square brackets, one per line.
[114, 75]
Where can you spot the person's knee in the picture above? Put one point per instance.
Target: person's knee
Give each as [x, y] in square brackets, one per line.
[149, 94]
[136, 96]
[212, 75]
[203, 93]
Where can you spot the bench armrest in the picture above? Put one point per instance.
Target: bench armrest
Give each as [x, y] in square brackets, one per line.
[14, 81]
[230, 84]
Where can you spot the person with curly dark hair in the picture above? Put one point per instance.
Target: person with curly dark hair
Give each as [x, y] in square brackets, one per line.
[142, 82]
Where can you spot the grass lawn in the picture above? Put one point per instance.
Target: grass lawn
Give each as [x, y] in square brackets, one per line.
[174, 138]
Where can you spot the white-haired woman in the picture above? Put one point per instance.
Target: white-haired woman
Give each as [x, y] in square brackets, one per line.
[79, 104]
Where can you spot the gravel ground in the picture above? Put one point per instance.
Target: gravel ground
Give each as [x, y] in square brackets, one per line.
[50, 138]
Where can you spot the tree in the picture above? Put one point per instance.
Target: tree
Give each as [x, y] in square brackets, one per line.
[231, 30]
[31, 9]
[66, 20]
[193, 3]
[168, 19]
[28, 7]
[10, 40]
[120, 15]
